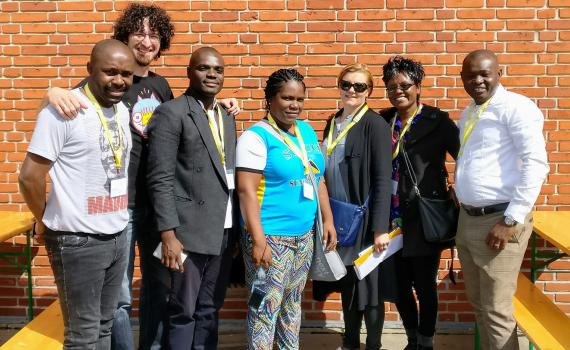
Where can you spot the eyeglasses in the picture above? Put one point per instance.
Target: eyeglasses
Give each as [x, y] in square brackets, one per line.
[404, 87]
[139, 36]
[358, 87]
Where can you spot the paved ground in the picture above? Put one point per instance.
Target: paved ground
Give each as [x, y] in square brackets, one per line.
[329, 338]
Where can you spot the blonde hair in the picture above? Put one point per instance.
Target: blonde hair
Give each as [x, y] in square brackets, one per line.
[361, 68]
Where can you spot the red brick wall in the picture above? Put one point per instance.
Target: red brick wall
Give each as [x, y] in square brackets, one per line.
[46, 43]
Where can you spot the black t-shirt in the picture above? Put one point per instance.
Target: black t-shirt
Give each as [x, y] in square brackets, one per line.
[143, 97]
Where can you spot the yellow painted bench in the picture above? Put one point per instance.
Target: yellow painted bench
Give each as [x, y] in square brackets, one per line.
[45, 332]
[545, 325]
[13, 224]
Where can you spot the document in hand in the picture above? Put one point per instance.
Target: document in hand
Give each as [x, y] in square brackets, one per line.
[368, 259]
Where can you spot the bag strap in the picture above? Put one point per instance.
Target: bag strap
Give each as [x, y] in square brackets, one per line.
[319, 221]
[411, 171]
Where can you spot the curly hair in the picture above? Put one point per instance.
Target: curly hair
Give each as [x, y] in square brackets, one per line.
[398, 64]
[132, 18]
[360, 68]
[279, 78]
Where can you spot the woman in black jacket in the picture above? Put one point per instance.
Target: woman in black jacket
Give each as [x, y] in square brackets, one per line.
[427, 134]
[357, 147]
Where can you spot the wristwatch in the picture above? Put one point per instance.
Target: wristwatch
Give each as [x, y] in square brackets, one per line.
[509, 221]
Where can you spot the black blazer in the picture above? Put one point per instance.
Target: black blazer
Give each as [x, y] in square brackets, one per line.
[366, 169]
[432, 136]
[185, 177]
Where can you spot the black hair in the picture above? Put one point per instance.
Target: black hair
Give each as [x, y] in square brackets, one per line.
[132, 19]
[398, 64]
[279, 78]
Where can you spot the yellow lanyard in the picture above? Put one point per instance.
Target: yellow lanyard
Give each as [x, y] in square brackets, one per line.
[300, 153]
[117, 151]
[470, 124]
[218, 134]
[332, 144]
[403, 132]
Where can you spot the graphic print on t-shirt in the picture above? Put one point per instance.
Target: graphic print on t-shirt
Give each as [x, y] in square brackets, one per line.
[142, 110]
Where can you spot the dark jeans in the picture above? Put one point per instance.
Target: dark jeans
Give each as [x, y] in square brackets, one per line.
[196, 297]
[154, 292]
[373, 316]
[418, 272]
[122, 334]
[88, 270]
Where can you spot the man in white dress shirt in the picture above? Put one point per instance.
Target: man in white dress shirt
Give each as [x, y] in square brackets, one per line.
[501, 166]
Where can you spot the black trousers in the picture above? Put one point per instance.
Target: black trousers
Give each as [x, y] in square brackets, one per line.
[196, 296]
[418, 272]
[373, 316]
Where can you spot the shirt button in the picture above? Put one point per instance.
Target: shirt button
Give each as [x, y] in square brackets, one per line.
[201, 202]
[198, 170]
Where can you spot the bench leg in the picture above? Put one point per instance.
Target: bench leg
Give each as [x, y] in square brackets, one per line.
[29, 273]
[477, 339]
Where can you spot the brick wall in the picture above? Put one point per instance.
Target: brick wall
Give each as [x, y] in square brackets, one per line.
[46, 43]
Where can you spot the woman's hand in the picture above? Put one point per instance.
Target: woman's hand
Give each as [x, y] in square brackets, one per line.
[329, 236]
[381, 241]
[65, 102]
[171, 251]
[261, 254]
[231, 106]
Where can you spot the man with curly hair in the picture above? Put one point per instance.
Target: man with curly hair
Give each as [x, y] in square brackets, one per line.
[147, 30]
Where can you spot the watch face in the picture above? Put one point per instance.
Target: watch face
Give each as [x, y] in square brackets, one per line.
[510, 221]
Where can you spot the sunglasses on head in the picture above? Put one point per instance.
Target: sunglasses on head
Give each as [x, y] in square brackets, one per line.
[403, 87]
[358, 87]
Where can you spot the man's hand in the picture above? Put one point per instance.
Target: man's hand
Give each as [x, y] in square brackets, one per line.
[329, 236]
[64, 101]
[499, 235]
[231, 106]
[381, 241]
[39, 232]
[261, 254]
[171, 251]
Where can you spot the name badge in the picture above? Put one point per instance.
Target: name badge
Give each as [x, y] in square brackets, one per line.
[119, 187]
[308, 190]
[230, 179]
[394, 187]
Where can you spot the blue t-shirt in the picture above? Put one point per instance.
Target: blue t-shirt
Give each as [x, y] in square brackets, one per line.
[284, 209]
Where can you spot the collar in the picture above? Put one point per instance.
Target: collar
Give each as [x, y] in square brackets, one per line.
[214, 105]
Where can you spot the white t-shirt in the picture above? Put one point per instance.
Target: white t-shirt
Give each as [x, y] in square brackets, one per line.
[83, 168]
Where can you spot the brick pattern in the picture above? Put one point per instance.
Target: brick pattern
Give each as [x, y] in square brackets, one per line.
[46, 43]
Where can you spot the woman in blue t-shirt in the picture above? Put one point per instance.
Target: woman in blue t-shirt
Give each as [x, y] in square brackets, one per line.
[279, 205]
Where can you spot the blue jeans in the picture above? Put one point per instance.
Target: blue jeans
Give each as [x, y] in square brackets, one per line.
[122, 334]
[88, 270]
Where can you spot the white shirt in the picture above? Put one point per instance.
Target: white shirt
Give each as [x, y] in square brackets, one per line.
[83, 168]
[504, 159]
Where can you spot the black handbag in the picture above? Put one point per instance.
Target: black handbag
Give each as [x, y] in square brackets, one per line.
[438, 216]
[348, 218]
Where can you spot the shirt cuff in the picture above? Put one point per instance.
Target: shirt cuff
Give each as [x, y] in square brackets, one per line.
[517, 212]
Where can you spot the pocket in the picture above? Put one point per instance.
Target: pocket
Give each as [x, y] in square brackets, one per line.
[73, 241]
[517, 235]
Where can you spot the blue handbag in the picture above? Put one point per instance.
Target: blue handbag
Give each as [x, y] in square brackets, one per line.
[348, 218]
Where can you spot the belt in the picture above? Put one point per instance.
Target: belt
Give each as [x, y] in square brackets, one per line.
[480, 211]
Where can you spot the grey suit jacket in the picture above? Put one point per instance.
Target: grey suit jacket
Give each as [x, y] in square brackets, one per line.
[185, 176]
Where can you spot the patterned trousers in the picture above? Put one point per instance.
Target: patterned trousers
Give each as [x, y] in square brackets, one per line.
[278, 319]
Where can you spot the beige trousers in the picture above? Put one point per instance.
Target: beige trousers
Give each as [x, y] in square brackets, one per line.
[490, 277]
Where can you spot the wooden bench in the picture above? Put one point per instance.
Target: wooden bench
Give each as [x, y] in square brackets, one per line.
[545, 325]
[13, 224]
[45, 332]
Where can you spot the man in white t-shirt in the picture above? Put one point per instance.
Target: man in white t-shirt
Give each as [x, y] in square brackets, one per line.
[83, 220]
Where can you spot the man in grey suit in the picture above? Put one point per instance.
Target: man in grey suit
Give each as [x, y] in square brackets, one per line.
[191, 166]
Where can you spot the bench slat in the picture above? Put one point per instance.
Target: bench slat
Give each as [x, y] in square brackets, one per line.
[44, 332]
[544, 323]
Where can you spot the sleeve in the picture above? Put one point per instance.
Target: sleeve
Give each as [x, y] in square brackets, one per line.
[164, 133]
[525, 124]
[381, 176]
[451, 136]
[251, 152]
[50, 134]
